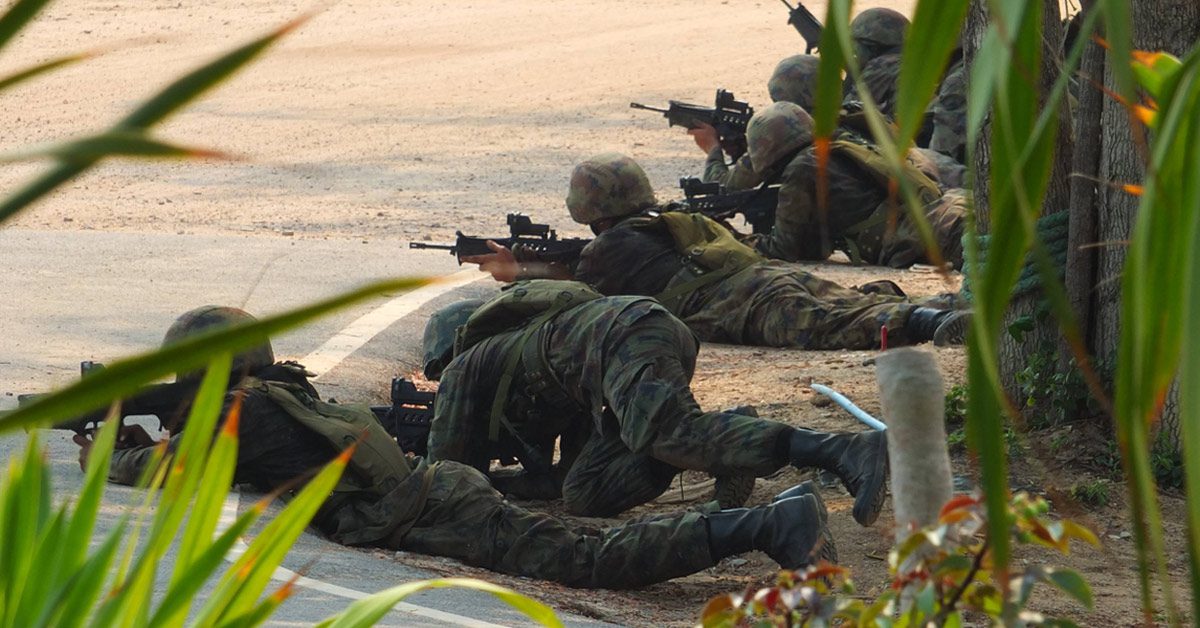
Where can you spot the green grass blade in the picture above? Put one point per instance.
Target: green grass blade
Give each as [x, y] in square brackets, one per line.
[124, 377]
[931, 38]
[38, 70]
[24, 512]
[83, 520]
[200, 80]
[17, 16]
[115, 143]
[246, 579]
[368, 611]
[185, 585]
[828, 101]
[158, 107]
[70, 606]
[205, 512]
[43, 574]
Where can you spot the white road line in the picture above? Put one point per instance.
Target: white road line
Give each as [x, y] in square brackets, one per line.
[324, 359]
[358, 333]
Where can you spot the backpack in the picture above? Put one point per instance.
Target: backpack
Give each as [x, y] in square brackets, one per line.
[710, 251]
[868, 158]
[377, 465]
[521, 305]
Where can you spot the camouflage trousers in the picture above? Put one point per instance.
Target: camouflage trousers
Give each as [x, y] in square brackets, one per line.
[653, 427]
[776, 304]
[947, 217]
[466, 519]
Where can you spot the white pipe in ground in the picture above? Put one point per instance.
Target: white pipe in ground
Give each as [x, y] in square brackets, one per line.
[912, 393]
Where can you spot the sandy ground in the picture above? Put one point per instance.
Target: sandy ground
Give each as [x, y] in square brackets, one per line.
[411, 119]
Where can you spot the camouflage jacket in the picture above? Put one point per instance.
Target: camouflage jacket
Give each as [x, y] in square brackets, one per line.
[576, 345]
[739, 177]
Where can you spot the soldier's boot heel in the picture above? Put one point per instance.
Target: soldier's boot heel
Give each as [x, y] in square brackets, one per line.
[791, 531]
[859, 460]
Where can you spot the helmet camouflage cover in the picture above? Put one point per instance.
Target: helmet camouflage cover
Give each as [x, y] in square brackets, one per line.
[776, 132]
[209, 318]
[438, 342]
[879, 30]
[606, 186]
[795, 80]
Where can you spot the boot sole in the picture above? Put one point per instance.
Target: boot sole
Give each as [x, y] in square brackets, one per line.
[869, 501]
[953, 331]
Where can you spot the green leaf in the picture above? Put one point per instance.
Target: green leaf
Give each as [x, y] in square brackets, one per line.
[38, 70]
[241, 585]
[188, 581]
[154, 110]
[115, 143]
[124, 377]
[1071, 583]
[71, 604]
[17, 16]
[368, 611]
[932, 36]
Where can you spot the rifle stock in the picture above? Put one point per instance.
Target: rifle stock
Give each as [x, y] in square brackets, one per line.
[805, 23]
[757, 205]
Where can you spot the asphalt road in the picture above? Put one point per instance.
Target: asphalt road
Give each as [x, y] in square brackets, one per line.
[82, 295]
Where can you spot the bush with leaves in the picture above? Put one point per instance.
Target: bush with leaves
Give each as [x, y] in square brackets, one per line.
[941, 575]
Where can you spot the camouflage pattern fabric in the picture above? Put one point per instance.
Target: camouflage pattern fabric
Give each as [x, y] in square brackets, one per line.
[740, 176]
[212, 317]
[803, 231]
[622, 368]
[949, 109]
[605, 186]
[881, 75]
[448, 509]
[465, 518]
[948, 173]
[777, 305]
[877, 31]
[794, 80]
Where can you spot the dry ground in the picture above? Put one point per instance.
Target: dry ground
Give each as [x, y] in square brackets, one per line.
[410, 119]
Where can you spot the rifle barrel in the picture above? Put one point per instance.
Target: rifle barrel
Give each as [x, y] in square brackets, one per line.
[785, 3]
[430, 245]
[638, 105]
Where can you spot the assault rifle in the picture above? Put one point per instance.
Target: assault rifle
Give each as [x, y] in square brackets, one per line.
[756, 205]
[729, 116]
[534, 237]
[169, 402]
[805, 23]
[409, 417]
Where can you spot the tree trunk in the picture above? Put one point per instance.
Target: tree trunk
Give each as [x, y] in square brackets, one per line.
[1016, 352]
[1173, 26]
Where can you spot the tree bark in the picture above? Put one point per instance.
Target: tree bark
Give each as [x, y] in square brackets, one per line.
[1173, 26]
[1015, 352]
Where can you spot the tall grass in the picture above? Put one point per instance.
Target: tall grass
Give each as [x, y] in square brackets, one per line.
[50, 574]
[1161, 279]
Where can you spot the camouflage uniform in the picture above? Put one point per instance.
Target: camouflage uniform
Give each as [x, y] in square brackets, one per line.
[612, 377]
[949, 111]
[450, 509]
[878, 36]
[768, 303]
[803, 232]
[740, 176]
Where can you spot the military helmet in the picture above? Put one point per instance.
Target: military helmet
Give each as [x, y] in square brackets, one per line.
[795, 80]
[210, 317]
[607, 186]
[438, 341]
[776, 132]
[878, 31]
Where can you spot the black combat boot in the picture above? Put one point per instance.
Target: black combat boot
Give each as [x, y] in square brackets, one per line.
[791, 531]
[859, 460]
[943, 327]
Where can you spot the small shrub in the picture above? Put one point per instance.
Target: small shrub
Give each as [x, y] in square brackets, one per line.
[1094, 494]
